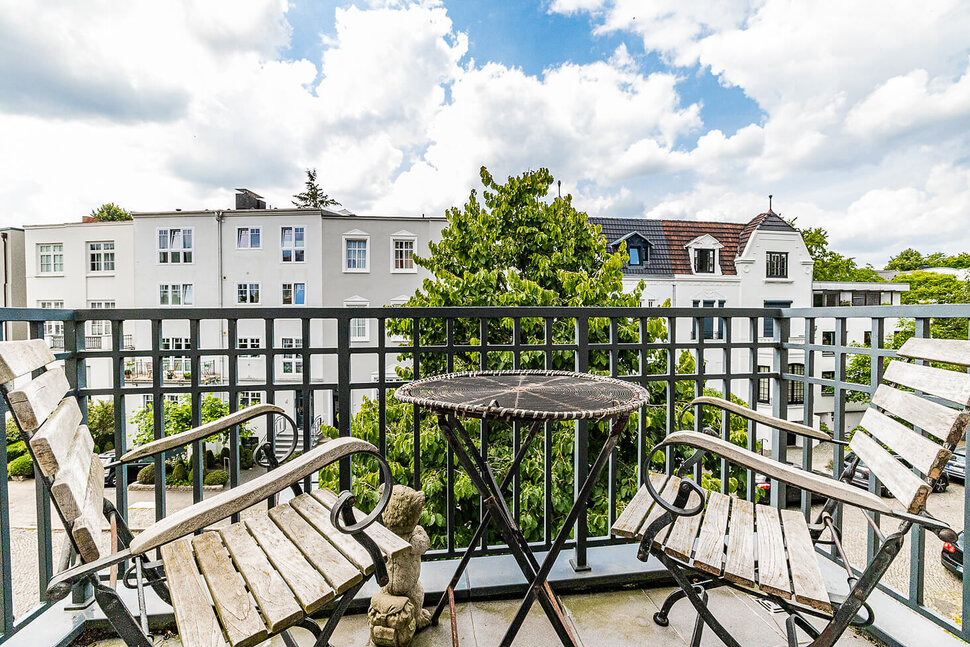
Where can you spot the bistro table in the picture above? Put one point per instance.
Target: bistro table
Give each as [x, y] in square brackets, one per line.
[533, 396]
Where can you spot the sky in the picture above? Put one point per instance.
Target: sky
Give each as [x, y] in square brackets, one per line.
[854, 115]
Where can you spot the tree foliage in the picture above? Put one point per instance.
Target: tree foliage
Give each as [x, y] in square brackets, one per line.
[911, 259]
[313, 196]
[513, 247]
[101, 423]
[178, 417]
[830, 265]
[110, 212]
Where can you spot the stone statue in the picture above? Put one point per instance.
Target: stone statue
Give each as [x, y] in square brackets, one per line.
[396, 612]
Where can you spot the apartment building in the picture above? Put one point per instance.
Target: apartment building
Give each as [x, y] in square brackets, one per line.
[14, 294]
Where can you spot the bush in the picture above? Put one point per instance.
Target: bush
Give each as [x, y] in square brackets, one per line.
[146, 475]
[13, 434]
[246, 458]
[16, 450]
[21, 466]
[217, 477]
[180, 474]
[210, 459]
[224, 454]
[108, 446]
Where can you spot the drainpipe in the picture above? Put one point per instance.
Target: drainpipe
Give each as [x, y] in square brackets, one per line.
[6, 283]
[220, 216]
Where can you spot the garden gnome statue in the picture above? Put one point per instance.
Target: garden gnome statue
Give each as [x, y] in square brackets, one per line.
[396, 612]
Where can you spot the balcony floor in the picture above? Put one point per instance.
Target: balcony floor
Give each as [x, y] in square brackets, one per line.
[598, 620]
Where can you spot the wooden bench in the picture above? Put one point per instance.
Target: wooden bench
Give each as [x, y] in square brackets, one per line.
[235, 585]
[771, 553]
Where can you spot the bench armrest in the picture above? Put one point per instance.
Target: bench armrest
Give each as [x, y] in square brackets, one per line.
[203, 431]
[764, 418]
[209, 511]
[827, 487]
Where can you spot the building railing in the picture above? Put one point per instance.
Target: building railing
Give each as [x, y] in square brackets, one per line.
[351, 360]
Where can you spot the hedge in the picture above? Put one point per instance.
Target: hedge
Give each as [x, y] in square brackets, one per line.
[21, 466]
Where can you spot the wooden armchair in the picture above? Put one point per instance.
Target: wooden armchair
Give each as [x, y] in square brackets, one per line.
[236, 585]
[707, 539]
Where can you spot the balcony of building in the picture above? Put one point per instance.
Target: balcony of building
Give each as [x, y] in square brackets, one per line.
[609, 596]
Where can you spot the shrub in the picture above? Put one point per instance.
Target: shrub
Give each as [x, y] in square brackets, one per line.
[210, 459]
[108, 446]
[246, 458]
[146, 475]
[224, 454]
[180, 474]
[13, 434]
[217, 477]
[21, 466]
[16, 450]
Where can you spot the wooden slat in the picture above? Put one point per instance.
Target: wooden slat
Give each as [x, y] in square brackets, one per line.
[739, 562]
[56, 438]
[338, 571]
[630, 520]
[680, 541]
[32, 403]
[949, 351]
[763, 418]
[204, 431]
[949, 425]
[948, 385]
[389, 543]
[772, 564]
[668, 493]
[319, 517]
[921, 452]
[908, 488]
[710, 540]
[825, 486]
[21, 357]
[310, 588]
[194, 616]
[275, 600]
[209, 511]
[805, 573]
[87, 528]
[70, 485]
[235, 608]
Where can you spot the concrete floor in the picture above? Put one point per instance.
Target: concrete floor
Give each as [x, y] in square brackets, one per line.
[616, 618]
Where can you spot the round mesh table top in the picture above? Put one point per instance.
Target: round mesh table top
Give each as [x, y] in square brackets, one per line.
[525, 395]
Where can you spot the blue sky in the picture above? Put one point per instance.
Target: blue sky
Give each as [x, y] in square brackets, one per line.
[663, 109]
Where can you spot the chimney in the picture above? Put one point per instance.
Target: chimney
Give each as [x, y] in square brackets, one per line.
[246, 199]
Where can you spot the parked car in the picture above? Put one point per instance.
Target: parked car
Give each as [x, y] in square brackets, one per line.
[952, 556]
[793, 494]
[110, 473]
[956, 467]
[861, 477]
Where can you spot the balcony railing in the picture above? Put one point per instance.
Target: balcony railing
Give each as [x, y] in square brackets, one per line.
[349, 385]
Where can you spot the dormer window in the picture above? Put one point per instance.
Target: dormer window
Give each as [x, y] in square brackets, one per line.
[637, 248]
[638, 255]
[703, 252]
[703, 261]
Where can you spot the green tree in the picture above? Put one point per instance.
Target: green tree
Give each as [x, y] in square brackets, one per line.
[313, 196]
[110, 212]
[832, 266]
[178, 417]
[906, 260]
[513, 247]
[101, 423]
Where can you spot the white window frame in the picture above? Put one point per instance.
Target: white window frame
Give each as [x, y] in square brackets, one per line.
[183, 289]
[55, 251]
[293, 292]
[359, 326]
[169, 250]
[355, 236]
[250, 398]
[101, 326]
[99, 250]
[248, 294]
[249, 237]
[403, 237]
[179, 364]
[292, 360]
[249, 343]
[52, 327]
[293, 248]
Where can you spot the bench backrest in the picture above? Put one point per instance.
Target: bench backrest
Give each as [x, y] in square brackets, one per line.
[888, 421]
[62, 448]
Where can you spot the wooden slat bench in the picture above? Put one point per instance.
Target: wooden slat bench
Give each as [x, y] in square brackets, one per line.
[237, 585]
[917, 415]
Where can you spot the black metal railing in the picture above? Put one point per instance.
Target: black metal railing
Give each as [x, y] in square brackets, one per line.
[346, 378]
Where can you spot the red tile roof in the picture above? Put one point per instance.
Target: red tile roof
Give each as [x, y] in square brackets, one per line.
[680, 232]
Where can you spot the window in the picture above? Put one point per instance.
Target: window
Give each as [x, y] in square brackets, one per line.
[355, 254]
[703, 261]
[249, 398]
[764, 386]
[179, 365]
[359, 327]
[293, 244]
[769, 330]
[176, 294]
[53, 327]
[828, 339]
[294, 294]
[51, 257]
[248, 343]
[828, 375]
[867, 338]
[710, 332]
[827, 299]
[777, 266]
[101, 256]
[292, 362]
[248, 238]
[403, 254]
[796, 388]
[639, 255]
[174, 245]
[101, 327]
[247, 293]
